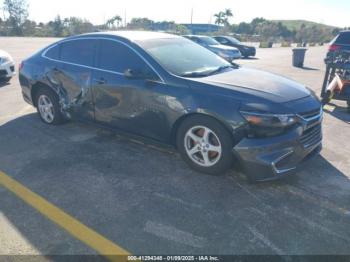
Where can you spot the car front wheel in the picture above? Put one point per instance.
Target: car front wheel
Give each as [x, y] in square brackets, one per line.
[205, 144]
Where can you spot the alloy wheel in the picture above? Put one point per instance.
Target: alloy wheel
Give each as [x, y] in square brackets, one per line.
[203, 146]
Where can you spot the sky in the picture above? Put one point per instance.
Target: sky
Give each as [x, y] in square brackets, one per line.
[331, 12]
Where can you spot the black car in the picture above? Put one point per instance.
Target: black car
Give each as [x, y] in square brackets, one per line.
[226, 52]
[245, 50]
[339, 44]
[168, 89]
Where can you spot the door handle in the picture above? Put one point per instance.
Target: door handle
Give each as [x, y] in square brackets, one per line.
[100, 81]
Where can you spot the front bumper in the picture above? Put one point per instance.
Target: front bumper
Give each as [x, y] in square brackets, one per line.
[265, 159]
[248, 51]
[7, 70]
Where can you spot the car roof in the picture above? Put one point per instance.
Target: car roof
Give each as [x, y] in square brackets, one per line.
[199, 36]
[133, 35]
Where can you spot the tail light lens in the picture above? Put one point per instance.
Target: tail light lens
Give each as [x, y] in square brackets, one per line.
[20, 66]
[334, 48]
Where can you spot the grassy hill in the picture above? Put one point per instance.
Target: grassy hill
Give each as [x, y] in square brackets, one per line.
[296, 24]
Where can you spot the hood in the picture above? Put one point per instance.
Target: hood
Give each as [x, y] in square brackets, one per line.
[5, 54]
[259, 83]
[223, 47]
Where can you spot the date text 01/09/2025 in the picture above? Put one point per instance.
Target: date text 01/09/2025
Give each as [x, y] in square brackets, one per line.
[173, 258]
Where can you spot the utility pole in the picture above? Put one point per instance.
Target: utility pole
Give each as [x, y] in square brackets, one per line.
[192, 16]
[125, 18]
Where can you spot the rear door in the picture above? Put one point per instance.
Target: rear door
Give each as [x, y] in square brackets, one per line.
[75, 73]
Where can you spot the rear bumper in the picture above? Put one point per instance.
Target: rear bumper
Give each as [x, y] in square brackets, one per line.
[272, 158]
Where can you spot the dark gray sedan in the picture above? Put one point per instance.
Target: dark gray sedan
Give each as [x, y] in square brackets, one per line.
[166, 88]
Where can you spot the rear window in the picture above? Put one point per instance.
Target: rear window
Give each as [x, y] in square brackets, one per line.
[343, 38]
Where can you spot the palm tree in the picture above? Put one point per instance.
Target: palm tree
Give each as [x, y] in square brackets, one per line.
[220, 18]
[228, 14]
[111, 22]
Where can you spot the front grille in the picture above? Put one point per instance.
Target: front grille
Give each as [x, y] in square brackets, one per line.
[312, 136]
[12, 68]
[3, 72]
[310, 114]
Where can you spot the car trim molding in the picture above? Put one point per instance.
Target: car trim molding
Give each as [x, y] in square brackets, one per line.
[96, 68]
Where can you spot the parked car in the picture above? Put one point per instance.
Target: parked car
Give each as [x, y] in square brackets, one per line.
[7, 66]
[340, 43]
[245, 50]
[168, 89]
[228, 53]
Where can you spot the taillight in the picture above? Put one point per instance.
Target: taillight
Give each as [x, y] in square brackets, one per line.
[20, 66]
[334, 47]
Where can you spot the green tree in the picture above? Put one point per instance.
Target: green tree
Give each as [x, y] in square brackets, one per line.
[57, 27]
[227, 15]
[181, 30]
[18, 14]
[76, 26]
[141, 23]
[111, 22]
[220, 18]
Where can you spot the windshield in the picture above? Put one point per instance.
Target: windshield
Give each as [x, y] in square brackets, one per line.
[209, 41]
[182, 57]
[234, 40]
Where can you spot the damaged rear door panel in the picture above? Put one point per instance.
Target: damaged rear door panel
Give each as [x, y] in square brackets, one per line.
[71, 77]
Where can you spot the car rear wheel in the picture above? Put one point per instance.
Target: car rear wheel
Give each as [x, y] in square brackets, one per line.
[205, 145]
[48, 107]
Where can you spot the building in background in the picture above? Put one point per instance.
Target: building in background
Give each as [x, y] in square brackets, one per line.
[202, 28]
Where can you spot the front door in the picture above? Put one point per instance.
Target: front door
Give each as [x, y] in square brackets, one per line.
[120, 102]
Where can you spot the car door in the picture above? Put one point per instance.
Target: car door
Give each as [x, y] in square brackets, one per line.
[73, 73]
[223, 41]
[133, 105]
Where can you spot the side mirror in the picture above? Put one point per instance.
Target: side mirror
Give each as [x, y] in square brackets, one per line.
[137, 74]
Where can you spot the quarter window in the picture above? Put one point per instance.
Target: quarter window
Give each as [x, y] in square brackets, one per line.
[79, 52]
[53, 52]
[117, 57]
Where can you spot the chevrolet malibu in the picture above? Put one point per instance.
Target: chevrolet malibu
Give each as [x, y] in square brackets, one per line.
[168, 89]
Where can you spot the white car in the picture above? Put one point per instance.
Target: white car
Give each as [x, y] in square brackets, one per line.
[7, 66]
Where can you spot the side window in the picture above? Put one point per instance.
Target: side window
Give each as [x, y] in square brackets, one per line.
[79, 52]
[53, 52]
[194, 39]
[116, 57]
[343, 38]
[223, 40]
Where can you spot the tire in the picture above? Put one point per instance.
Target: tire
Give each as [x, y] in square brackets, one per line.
[217, 162]
[46, 95]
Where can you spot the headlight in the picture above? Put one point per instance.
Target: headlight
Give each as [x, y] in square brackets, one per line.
[4, 60]
[268, 124]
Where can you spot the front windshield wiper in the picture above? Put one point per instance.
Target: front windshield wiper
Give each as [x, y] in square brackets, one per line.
[222, 68]
[209, 72]
[196, 74]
